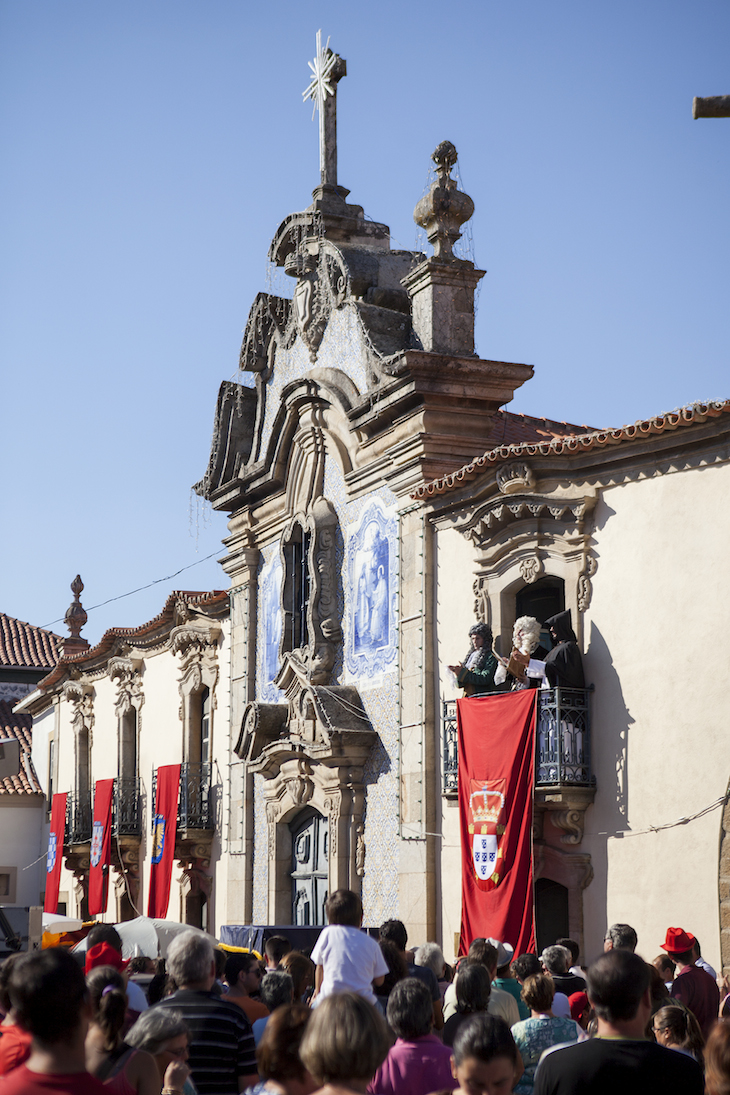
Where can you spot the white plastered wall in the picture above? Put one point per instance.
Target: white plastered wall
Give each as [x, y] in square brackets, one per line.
[655, 650]
[160, 742]
[455, 566]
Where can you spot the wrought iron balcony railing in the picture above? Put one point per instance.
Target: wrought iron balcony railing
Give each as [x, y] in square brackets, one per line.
[126, 810]
[562, 746]
[78, 817]
[194, 810]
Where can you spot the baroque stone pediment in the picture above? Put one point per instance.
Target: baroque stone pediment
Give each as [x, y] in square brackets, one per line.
[322, 723]
[502, 511]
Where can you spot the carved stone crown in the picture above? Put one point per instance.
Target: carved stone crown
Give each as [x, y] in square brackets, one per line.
[514, 477]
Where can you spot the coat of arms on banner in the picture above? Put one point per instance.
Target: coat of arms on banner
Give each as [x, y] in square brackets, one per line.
[486, 828]
[97, 840]
[158, 838]
[51, 859]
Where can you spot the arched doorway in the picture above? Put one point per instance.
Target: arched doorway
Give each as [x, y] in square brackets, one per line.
[310, 851]
[551, 912]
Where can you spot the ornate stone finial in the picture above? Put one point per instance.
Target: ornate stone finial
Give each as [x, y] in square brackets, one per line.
[445, 208]
[76, 617]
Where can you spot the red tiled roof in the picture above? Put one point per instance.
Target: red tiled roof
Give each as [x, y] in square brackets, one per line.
[23, 645]
[194, 599]
[513, 429]
[20, 727]
[575, 439]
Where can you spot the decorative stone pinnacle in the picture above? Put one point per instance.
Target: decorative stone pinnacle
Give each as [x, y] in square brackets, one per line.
[445, 208]
[76, 617]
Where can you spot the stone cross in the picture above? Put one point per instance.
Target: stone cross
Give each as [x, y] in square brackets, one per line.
[327, 70]
[715, 106]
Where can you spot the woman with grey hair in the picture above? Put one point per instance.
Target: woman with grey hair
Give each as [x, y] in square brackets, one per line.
[431, 955]
[163, 1033]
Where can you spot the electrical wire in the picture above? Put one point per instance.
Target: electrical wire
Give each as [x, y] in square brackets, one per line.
[149, 585]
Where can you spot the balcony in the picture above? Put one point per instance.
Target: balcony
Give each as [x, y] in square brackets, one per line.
[562, 745]
[194, 810]
[126, 808]
[78, 818]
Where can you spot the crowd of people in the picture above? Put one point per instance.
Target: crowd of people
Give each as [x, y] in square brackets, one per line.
[364, 1015]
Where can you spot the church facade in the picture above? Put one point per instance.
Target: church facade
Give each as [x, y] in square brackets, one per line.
[380, 500]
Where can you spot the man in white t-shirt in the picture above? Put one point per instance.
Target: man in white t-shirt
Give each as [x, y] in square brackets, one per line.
[347, 959]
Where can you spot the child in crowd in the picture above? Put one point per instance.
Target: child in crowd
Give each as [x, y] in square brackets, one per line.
[346, 959]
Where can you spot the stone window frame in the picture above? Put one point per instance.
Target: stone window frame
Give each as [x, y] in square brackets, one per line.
[196, 646]
[318, 523]
[127, 672]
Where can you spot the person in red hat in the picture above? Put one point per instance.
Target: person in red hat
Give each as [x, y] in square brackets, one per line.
[692, 986]
[104, 948]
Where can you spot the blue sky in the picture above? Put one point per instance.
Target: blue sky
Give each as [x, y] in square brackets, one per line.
[151, 149]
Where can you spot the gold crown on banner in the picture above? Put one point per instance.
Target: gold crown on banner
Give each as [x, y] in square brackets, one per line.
[486, 805]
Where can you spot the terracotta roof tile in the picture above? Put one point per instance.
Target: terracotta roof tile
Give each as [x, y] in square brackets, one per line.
[20, 727]
[575, 439]
[23, 645]
[192, 598]
[512, 429]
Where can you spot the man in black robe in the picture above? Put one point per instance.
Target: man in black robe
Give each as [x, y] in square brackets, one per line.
[563, 665]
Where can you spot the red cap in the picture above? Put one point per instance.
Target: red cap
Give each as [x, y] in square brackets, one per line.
[578, 1003]
[678, 941]
[104, 955]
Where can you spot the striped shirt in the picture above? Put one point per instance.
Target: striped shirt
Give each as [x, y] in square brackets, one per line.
[221, 1042]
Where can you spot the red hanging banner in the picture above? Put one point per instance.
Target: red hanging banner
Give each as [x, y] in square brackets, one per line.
[164, 830]
[101, 847]
[496, 780]
[55, 852]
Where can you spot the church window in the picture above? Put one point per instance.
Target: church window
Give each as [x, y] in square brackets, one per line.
[297, 589]
[128, 744]
[205, 726]
[541, 599]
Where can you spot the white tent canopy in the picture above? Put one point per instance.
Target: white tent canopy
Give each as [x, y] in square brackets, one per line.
[55, 924]
[147, 936]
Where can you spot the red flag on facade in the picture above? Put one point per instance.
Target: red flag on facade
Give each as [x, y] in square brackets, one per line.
[101, 847]
[55, 852]
[496, 780]
[164, 830]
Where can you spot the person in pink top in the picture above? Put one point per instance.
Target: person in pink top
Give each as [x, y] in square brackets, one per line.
[419, 1062]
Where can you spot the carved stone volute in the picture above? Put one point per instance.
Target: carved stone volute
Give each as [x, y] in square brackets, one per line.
[127, 672]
